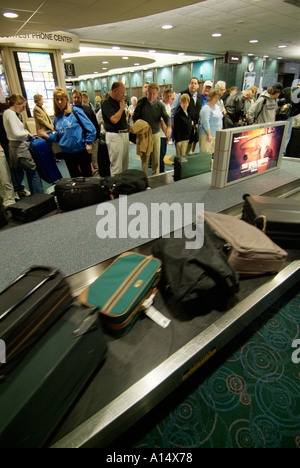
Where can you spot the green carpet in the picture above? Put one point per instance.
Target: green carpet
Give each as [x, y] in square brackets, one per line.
[247, 398]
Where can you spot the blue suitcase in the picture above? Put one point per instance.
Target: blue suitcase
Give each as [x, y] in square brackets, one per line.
[46, 166]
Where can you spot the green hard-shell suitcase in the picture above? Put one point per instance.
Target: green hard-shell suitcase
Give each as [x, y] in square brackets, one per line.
[120, 291]
[191, 165]
[47, 382]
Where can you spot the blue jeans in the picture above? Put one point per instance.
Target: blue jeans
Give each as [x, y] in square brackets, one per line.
[34, 180]
[21, 159]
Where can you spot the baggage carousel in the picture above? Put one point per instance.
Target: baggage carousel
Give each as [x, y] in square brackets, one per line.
[145, 366]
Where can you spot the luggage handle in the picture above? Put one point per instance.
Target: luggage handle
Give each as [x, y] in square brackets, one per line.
[52, 274]
[79, 180]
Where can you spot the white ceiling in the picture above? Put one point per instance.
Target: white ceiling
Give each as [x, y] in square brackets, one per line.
[135, 25]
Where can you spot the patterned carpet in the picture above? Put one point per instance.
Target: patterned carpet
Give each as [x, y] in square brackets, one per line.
[248, 398]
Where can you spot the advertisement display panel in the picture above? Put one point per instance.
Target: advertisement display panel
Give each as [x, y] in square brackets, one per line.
[37, 76]
[244, 152]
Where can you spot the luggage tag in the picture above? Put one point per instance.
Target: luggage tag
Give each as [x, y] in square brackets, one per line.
[154, 314]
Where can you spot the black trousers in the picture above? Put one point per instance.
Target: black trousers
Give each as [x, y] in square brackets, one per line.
[79, 164]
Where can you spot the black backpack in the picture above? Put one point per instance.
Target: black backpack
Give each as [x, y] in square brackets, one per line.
[126, 183]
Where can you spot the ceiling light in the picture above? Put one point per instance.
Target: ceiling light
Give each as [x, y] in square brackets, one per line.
[250, 55]
[115, 48]
[105, 61]
[253, 41]
[279, 58]
[167, 26]
[10, 15]
[136, 64]
[216, 35]
[152, 51]
[68, 60]
[266, 56]
[103, 68]
[282, 46]
[125, 58]
[96, 72]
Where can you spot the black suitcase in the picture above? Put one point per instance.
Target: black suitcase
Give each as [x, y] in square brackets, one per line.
[32, 208]
[47, 382]
[79, 192]
[3, 217]
[103, 159]
[279, 218]
[28, 307]
[293, 149]
[191, 165]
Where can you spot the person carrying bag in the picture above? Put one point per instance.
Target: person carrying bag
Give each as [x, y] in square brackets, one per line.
[75, 134]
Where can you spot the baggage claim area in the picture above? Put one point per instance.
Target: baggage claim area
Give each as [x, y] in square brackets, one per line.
[140, 369]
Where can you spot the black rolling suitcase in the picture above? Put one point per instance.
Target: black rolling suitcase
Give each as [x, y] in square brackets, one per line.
[32, 208]
[47, 382]
[103, 159]
[3, 217]
[191, 165]
[29, 306]
[293, 149]
[279, 218]
[79, 192]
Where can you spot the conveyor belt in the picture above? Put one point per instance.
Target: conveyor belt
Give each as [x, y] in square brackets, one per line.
[143, 367]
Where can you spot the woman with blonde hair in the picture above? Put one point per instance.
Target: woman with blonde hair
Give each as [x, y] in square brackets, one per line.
[211, 118]
[20, 156]
[75, 134]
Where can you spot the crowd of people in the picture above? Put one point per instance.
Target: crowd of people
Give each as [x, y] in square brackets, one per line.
[188, 118]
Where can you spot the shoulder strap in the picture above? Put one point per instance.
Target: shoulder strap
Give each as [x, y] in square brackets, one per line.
[80, 123]
[265, 100]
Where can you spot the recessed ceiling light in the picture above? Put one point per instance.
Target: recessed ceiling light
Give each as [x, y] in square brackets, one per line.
[10, 15]
[103, 68]
[136, 64]
[253, 41]
[250, 55]
[216, 35]
[96, 72]
[282, 46]
[68, 60]
[167, 26]
[266, 56]
[125, 58]
[105, 61]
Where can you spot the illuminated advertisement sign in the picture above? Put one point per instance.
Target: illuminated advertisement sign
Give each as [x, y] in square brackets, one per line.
[37, 76]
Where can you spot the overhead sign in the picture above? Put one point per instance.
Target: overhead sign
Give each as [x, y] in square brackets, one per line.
[53, 40]
[70, 69]
[232, 57]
